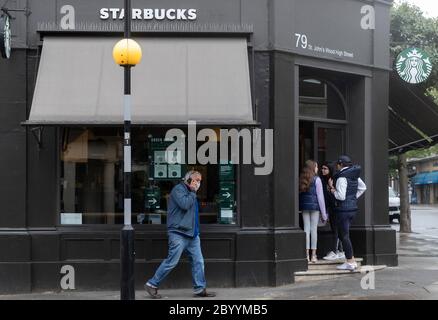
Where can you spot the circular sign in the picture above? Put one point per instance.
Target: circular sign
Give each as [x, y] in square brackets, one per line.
[413, 65]
[5, 37]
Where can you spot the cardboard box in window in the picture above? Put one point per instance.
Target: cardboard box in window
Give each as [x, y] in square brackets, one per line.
[76, 148]
[85, 146]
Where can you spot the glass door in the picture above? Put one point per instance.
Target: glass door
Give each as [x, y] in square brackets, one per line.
[320, 141]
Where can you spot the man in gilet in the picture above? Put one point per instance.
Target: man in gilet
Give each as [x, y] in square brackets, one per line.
[349, 187]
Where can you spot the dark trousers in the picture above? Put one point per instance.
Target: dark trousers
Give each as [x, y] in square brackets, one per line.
[344, 220]
[336, 241]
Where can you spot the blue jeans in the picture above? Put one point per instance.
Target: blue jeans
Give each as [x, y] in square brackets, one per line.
[177, 245]
[337, 242]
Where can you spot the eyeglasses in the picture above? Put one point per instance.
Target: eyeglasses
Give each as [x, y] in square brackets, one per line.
[324, 168]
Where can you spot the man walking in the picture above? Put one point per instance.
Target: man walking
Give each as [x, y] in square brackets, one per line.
[349, 187]
[183, 233]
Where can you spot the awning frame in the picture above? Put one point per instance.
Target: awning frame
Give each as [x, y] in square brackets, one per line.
[37, 133]
[35, 124]
[247, 116]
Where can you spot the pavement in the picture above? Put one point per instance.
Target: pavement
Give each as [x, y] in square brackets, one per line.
[416, 277]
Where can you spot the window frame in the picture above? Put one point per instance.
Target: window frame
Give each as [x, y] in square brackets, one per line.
[327, 83]
[150, 227]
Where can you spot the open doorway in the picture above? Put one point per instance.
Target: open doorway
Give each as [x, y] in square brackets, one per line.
[322, 126]
[322, 115]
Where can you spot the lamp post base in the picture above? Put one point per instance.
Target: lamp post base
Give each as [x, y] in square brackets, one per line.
[127, 260]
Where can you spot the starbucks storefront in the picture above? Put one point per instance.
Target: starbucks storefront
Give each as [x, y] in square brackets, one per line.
[244, 65]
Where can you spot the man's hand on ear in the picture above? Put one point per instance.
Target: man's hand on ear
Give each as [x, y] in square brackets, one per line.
[194, 185]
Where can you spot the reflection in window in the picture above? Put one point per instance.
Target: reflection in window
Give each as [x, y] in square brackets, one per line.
[92, 179]
[320, 100]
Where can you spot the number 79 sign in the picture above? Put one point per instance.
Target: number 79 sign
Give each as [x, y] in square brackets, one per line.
[301, 40]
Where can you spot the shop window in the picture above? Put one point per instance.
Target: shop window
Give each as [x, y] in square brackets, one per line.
[92, 179]
[319, 99]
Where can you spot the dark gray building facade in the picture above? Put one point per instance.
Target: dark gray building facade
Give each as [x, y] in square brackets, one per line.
[317, 74]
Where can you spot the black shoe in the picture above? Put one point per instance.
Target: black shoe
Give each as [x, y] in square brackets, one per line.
[205, 294]
[153, 292]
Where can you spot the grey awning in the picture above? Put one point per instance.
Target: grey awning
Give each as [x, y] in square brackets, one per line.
[400, 133]
[410, 111]
[178, 79]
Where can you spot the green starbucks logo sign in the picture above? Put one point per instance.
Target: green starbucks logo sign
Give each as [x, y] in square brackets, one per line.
[413, 65]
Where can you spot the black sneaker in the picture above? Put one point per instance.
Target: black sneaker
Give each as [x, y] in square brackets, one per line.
[153, 292]
[205, 294]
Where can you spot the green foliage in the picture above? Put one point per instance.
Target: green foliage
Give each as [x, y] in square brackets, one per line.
[421, 153]
[433, 93]
[393, 167]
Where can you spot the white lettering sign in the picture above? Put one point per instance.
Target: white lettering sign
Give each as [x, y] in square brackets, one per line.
[149, 14]
[302, 42]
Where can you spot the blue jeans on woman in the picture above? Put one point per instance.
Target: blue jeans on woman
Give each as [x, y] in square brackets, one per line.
[177, 245]
[344, 220]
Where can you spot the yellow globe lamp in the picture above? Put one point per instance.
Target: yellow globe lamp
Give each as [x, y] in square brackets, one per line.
[127, 52]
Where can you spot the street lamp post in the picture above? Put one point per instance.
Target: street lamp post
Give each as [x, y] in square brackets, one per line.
[127, 53]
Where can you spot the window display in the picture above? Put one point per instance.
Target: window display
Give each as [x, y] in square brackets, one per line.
[227, 193]
[92, 179]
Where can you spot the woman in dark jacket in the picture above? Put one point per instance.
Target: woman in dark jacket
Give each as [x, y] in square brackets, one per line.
[337, 251]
